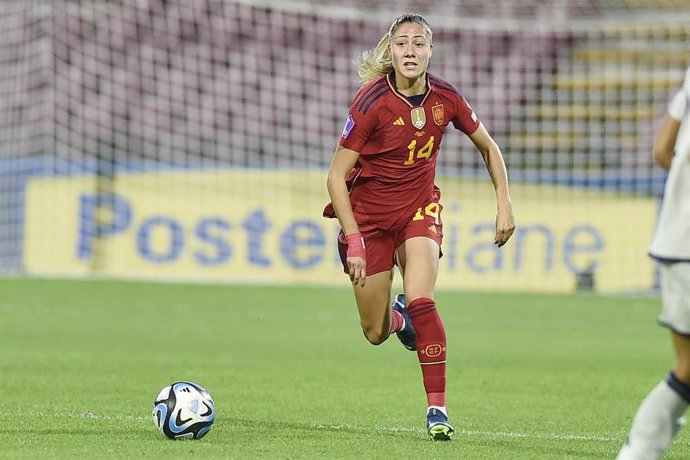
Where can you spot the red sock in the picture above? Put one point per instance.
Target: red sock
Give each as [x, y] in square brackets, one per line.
[431, 348]
[397, 322]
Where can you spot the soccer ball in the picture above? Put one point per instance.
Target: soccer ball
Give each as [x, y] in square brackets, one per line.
[183, 410]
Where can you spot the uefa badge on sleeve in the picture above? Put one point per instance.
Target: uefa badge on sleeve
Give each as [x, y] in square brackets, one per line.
[349, 124]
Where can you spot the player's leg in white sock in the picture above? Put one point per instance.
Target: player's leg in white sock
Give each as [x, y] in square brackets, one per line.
[657, 420]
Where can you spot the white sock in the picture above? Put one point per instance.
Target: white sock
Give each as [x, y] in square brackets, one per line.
[655, 424]
[440, 408]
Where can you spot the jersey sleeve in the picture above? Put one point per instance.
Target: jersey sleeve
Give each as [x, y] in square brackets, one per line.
[357, 130]
[465, 119]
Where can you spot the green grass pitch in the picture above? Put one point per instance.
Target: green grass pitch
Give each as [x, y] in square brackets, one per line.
[529, 376]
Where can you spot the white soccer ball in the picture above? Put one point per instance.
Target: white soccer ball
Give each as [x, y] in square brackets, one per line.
[183, 410]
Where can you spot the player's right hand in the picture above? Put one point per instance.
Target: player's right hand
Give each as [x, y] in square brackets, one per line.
[356, 258]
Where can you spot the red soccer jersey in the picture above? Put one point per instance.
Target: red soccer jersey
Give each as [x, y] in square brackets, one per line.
[398, 144]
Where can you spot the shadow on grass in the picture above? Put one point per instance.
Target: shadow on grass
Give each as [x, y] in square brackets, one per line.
[312, 427]
[513, 448]
[531, 448]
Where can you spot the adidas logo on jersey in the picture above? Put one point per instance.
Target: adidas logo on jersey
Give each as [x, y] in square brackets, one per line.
[399, 122]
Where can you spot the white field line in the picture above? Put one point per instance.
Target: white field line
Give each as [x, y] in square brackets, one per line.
[88, 415]
[494, 434]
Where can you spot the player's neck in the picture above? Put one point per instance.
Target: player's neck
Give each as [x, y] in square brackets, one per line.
[411, 87]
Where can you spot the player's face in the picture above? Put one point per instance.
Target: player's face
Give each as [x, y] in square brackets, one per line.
[411, 50]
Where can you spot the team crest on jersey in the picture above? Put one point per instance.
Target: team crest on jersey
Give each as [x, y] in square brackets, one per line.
[437, 112]
[418, 117]
[349, 124]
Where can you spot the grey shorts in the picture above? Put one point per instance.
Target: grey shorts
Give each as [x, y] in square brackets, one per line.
[675, 296]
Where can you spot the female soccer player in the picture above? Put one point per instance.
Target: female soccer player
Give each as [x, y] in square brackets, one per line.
[381, 185]
[660, 415]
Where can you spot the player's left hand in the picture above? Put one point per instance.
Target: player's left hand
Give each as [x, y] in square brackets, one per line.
[505, 226]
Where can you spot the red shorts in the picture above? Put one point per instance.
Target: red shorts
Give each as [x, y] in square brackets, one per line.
[380, 245]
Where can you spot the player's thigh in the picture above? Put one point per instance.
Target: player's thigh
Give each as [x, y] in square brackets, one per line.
[675, 297]
[675, 313]
[380, 251]
[373, 298]
[418, 260]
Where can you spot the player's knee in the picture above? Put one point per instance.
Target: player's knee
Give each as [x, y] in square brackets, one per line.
[374, 335]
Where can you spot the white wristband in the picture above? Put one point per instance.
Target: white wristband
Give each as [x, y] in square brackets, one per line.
[677, 106]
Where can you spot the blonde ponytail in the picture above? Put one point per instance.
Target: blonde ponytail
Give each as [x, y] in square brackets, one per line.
[376, 61]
